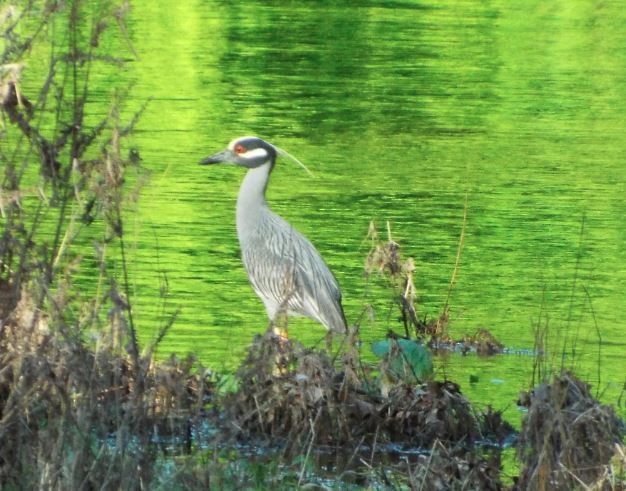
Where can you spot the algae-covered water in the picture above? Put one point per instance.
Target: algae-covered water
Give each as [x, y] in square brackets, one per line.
[401, 110]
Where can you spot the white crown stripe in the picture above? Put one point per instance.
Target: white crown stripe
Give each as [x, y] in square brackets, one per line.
[257, 153]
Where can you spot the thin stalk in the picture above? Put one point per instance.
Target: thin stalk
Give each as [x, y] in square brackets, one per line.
[599, 333]
[76, 124]
[129, 310]
[459, 250]
[573, 294]
[310, 446]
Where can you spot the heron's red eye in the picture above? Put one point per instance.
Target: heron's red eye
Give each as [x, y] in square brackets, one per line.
[239, 149]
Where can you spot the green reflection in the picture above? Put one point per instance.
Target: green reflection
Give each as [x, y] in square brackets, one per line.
[400, 109]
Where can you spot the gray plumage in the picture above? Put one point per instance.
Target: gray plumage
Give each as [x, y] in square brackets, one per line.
[285, 270]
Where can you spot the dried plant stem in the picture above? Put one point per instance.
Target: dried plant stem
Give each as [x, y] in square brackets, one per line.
[313, 424]
[457, 262]
[599, 333]
[573, 296]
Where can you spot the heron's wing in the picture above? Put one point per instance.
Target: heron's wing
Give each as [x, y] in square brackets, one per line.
[285, 267]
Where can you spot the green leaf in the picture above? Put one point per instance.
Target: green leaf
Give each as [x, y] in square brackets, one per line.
[381, 348]
[408, 359]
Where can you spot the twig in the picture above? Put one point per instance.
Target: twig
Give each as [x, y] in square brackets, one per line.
[373, 452]
[308, 451]
[428, 463]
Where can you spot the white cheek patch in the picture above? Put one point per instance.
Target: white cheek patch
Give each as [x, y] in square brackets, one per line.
[257, 153]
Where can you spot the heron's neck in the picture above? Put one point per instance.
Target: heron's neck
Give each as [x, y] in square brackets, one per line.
[251, 199]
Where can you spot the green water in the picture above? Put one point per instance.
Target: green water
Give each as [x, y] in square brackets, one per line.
[400, 109]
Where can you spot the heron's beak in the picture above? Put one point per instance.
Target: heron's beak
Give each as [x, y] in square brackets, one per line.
[218, 158]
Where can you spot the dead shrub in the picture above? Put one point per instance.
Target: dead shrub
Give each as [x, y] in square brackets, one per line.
[72, 416]
[567, 438]
[306, 399]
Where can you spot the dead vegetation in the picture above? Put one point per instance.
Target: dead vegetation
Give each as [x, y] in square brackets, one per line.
[568, 438]
[69, 413]
[309, 401]
[445, 468]
[82, 406]
[386, 258]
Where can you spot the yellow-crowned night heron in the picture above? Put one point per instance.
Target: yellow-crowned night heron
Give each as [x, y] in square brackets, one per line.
[285, 270]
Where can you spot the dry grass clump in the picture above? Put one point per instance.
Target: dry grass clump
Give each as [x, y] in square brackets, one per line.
[433, 411]
[386, 258]
[308, 401]
[447, 468]
[614, 475]
[75, 417]
[568, 438]
[286, 392]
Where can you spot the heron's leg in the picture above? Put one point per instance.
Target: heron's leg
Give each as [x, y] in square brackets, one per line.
[279, 327]
[278, 331]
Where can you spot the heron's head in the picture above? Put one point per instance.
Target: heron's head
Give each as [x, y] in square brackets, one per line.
[247, 151]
